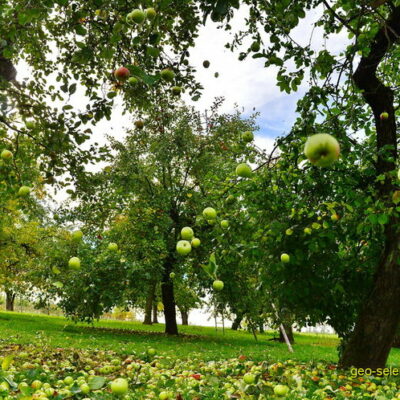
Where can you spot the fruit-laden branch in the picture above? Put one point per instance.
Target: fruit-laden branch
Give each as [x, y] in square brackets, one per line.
[379, 96]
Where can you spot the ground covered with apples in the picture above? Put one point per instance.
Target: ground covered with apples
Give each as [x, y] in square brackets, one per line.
[100, 362]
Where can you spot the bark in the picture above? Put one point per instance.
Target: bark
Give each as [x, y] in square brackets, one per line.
[167, 291]
[185, 317]
[149, 305]
[7, 69]
[370, 342]
[155, 313]
[10, 299]
[289, 333]
[236, 322]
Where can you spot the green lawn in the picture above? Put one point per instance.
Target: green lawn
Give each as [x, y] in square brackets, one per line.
[126, 337]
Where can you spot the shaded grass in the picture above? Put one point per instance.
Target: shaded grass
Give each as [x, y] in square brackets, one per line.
[128, 337]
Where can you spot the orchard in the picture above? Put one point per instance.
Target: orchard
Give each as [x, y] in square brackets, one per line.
[120, 192]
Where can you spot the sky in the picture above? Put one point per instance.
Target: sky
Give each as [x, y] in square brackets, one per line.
[247, 84]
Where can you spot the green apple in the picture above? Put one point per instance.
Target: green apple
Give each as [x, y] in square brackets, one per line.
[195, 242]
[172, 275]
[183, 247]
[151, 351]
[69, 380]
[139, 124]
[164, 395]
[384, 116]
[137, 16]
[247, 136]
[281, 390]
[307, 231]
[6, 155]
[176, 90]
[206, 63]
[119, 386]
[49, 392]
[132, 80]
[112, 246]
[77, 236]
[187, 233]
[150, 13]
[244, 171]
[218, 285]
[167, 75]
[249, 379]
[209, 213]
[122, 74]
[224, 224]
[289, 232]
[211, 221]
[36, 384]
[24, 191]
[322, 149]
[335, 217]
[285, 258]
[74, 263]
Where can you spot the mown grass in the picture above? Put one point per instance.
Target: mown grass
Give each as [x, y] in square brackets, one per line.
[128, 337]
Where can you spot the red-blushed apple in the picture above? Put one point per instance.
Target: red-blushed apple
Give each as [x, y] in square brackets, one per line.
[167, 75]
[247, 136]
[195, 242]
[322, 149]
[384, 116]
[335, 217]
[137, 16]
[187, 233]
[218, 285]
[112, 246]
[119, 386]
[244, 171]
[150, 13]
[281, 390]
[6, 155]
[285, 258]
[24, 191]
[209, 213]
[74, 263]
[183, 247]
[122, 74]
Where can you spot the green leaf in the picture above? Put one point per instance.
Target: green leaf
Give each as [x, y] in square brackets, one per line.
[97, 382]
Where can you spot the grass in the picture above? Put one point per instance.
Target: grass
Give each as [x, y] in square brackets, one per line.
[128, 337]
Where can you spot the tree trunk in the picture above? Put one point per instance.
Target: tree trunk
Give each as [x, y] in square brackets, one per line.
[185, 317]
[149, 304]
[370, 342]
[167, 291]
[10, 298]
[236, 322]
[155, 313]
[289, 334]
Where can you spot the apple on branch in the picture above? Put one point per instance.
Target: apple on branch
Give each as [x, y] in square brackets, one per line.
[322, 149]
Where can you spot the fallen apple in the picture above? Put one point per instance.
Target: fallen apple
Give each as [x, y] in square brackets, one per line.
[119, 386]
[249, 379]
[281, 390]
